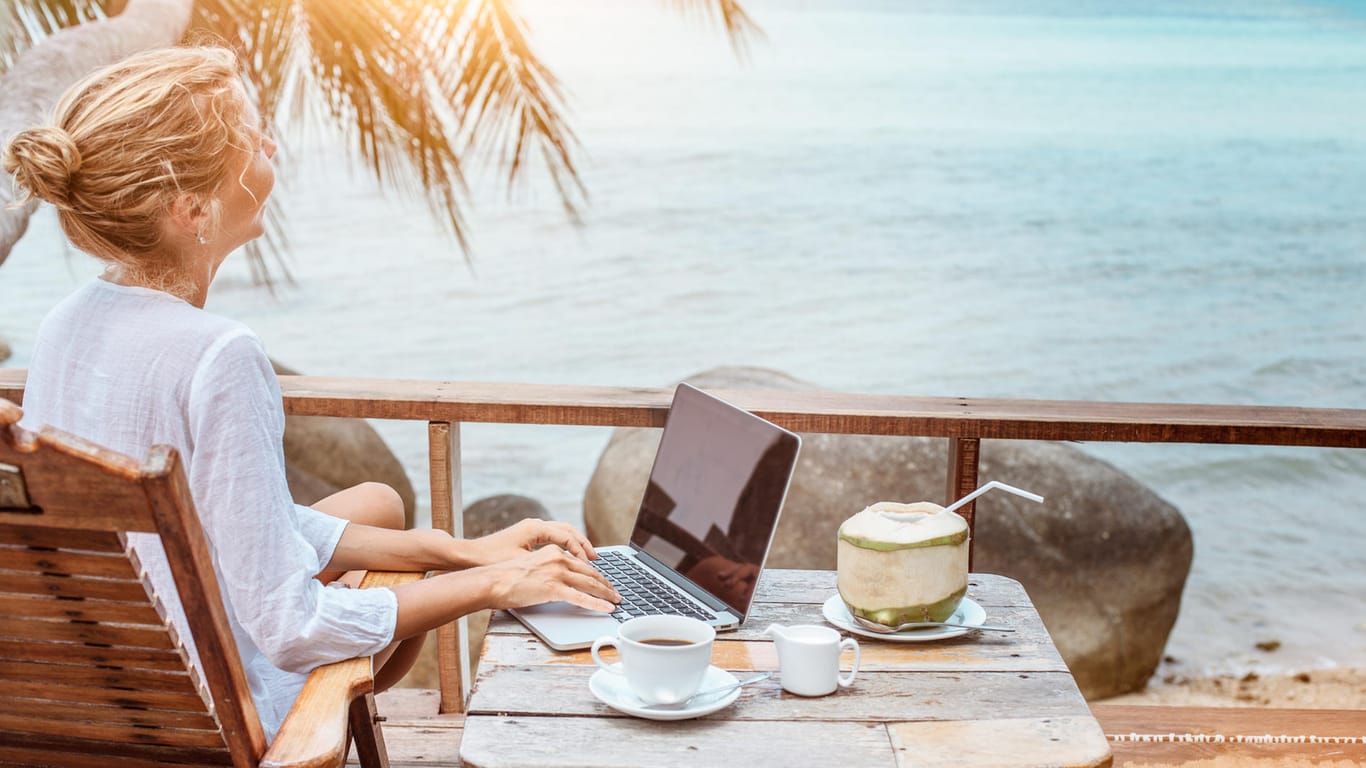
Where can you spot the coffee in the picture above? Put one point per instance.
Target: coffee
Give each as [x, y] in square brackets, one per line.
[665, 641]
[663, 658]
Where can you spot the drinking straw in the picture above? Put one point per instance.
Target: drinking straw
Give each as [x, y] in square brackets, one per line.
[994, 484]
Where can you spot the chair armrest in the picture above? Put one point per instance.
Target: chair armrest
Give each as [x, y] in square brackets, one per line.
[314, 731]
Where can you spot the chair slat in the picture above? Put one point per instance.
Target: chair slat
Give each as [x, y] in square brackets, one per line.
[71, 674]
[96, 656]
[61, 561]
[107, 713]
[78, 485]
[168, 700]
[44, 607]
[112, 635]
[30, 757]
[73, 751]
[59, 538]
[118, 733]
[72, 586]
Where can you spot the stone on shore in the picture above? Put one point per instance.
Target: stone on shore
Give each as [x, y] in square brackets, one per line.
[1104, 559]
[323, 455]
[494, 513]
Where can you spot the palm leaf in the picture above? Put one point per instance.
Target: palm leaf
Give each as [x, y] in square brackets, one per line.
[417, 88]
[739, 27]
[510, 104]
[25, 22]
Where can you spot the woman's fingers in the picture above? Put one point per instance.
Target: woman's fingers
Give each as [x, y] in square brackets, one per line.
[584, 600]
[568, 537]
[551, 573]
[587, 590]
[590, 581]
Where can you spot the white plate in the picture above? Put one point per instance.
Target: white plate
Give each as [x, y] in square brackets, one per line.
[611, 689]
[968, 612]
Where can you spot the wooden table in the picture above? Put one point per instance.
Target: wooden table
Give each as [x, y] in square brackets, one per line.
[985, 699]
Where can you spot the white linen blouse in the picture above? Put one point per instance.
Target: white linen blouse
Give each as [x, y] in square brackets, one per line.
[130, 368]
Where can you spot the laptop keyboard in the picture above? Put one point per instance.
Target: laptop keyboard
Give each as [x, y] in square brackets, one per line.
[641, 593]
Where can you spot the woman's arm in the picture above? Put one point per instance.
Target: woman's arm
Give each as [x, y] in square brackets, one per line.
[364, 547]
[548, 574]
[266, 567]
[532, 562]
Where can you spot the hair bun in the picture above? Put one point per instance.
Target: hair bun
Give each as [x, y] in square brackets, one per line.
[42, 160]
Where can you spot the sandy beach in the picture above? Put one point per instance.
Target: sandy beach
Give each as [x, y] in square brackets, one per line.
[1318, 689]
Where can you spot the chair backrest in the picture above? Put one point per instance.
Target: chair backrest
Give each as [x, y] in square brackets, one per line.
[92, 671]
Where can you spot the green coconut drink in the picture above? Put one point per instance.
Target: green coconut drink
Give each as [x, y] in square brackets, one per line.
[899, 563]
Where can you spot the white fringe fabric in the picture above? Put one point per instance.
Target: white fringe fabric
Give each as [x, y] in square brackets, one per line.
[1219, 738]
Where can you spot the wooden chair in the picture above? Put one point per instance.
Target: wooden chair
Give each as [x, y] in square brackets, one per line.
[92, 672]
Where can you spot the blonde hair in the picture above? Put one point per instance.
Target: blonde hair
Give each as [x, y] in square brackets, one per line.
[128, 140]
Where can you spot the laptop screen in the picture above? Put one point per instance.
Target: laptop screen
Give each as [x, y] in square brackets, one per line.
[714, 494]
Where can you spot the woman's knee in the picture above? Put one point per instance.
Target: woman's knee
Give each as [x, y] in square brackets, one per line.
[373, 504]
[383, 506]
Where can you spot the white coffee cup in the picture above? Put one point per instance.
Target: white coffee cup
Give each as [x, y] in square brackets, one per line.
[809, 658]
[664, 658]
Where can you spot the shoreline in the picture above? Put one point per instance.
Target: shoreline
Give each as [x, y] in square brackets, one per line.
[1334, 688]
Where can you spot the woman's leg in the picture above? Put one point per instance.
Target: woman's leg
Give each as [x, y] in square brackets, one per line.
[395, 661]
[373, 504]
[378, 505]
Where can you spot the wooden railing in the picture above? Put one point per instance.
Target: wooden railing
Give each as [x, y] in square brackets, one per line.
[964, 421]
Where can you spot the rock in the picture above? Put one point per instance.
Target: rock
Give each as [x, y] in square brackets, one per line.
[498, 512]
[5, 350]
[481, 518]
[324, 455]
[1104, 559]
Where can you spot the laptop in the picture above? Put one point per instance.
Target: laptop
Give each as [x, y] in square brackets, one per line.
[703, 530]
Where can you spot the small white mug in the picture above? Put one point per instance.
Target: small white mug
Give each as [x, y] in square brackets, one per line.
[809, 658]
[664, 658]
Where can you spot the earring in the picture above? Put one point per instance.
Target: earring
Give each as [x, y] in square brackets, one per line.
[202, 240]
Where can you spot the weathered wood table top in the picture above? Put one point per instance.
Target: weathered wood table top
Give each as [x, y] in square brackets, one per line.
[984, 699]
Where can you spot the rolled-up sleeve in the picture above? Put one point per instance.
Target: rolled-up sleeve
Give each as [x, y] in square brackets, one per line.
[320, 529]
[266, 549]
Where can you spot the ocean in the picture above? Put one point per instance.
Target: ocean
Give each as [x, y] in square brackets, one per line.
[1129, 201]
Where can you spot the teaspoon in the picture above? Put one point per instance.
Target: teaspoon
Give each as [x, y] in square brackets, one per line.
[886, 630]
[710, 692]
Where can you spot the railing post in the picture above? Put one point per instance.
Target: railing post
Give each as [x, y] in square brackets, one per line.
[452, 643]
[963, 455]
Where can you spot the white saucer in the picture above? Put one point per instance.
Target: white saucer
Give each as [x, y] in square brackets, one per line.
[968, 612]
[611, 689]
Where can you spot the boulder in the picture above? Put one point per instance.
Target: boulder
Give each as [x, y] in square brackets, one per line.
[5, 350]
[324, 455]
[495, 513]
[1104, 559]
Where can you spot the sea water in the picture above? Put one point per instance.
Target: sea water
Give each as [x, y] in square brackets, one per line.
[1130, 201]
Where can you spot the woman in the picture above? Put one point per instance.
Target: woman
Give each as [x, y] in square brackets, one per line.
[158, 165]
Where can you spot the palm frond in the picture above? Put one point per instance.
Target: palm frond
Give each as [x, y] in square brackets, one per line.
[739, 27]
[360, 67]
[418, 88]
[25, 22]
[510, 104]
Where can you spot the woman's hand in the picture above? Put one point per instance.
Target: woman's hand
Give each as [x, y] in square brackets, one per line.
[528, 536]
[548, 574]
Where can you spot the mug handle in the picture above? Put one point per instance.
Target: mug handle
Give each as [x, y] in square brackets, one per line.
[850, 642]
[600, 642]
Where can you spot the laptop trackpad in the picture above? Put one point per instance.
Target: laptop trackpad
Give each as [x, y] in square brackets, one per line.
[567, 627]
